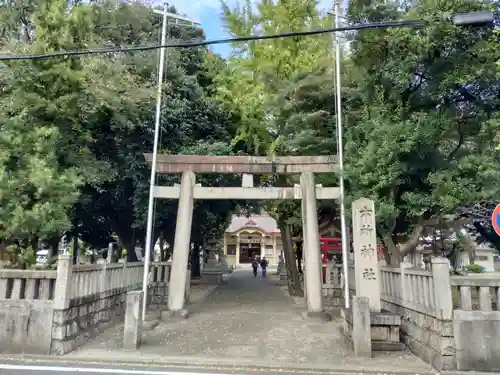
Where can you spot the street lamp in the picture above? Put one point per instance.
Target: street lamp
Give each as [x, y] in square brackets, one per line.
[474, 19]
[176, 18]
[161, 66]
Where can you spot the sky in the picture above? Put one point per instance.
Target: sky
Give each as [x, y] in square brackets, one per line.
[208, 12]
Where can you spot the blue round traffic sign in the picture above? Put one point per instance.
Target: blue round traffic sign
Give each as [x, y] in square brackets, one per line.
[495, 219]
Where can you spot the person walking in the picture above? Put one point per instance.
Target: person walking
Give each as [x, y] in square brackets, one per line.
[263, 264]
[255, 266]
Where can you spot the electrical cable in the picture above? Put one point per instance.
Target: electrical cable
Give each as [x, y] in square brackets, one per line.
[200, 43]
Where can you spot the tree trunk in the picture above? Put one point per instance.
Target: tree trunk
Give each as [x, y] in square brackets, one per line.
[294, 283]
[54, 247]
[131, 255]
[300, 255]
[75, 249]
[391, 252]
[3, 248]
[195, 261]
[488, 235]
[127, 240]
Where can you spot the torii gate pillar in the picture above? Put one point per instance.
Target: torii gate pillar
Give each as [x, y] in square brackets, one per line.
[180, 256]
[312, 258]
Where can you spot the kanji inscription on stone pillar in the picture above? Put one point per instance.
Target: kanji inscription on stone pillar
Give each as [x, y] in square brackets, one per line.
[365, 252]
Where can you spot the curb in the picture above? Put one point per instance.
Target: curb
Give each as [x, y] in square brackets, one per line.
[216, 368]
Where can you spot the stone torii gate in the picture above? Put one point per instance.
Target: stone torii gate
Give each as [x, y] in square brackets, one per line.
[188, 191]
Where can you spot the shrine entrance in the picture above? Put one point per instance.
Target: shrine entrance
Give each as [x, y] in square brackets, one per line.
[249, 252]
[250, 245]
[307, 191]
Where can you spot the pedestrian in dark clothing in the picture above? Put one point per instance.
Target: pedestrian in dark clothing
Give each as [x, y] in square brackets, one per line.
[263, 264]
[255, 265]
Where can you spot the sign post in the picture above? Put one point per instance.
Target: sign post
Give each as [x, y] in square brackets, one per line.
[495, 219]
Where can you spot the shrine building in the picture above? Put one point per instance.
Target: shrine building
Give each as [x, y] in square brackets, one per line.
[247, 237]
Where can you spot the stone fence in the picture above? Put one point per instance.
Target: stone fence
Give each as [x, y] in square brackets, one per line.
[88, 299]
[451, 322]
[423, 299]
[476, 321]
[54, 312]
[26, 305]
[27, 284]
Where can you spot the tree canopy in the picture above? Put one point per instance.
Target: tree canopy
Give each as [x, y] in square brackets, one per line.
[420, 114]
[420, 107]
[74, 129]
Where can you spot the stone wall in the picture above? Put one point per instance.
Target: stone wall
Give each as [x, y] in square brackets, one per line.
[476, 322]
[427, 336]
[54, 312]
[423, 300]
[91, 298]
[26, 309]
[476, 340]
[86, 317]
[25, 326]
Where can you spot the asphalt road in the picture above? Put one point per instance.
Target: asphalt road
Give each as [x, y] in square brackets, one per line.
[50, 369]
[40, 368]
[32, 366]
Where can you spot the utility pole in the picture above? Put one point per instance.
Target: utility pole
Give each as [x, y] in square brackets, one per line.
[340, 155]
[152, 181]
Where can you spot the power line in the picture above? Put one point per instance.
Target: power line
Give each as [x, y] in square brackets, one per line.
[201, 43]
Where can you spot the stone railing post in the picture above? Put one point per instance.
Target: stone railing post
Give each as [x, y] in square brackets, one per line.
[361, 327]
[125, 278]
[62, 293]
[442, 288]
[405, 286]
[132, 326]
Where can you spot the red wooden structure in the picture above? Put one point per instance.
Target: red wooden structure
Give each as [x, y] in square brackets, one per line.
[330, 247]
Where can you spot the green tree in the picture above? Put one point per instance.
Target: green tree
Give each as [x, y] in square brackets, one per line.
[192, 122]
[90, 119]
[255, 75]
[65, 104]
[424, 144]
[419, 110]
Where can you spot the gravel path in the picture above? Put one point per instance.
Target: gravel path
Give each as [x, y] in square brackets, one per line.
[250, 320]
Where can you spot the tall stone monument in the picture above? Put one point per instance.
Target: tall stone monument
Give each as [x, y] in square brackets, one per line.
[366, 322]
[366, 267]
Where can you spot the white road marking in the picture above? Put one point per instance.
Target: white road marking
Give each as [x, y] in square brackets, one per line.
[99, 370]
